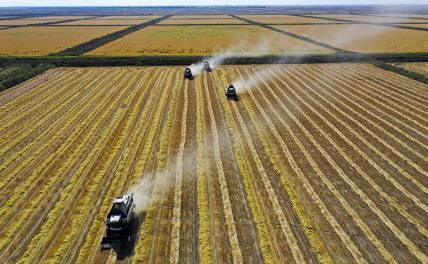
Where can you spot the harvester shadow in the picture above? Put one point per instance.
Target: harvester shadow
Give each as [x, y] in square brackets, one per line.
[127, 250]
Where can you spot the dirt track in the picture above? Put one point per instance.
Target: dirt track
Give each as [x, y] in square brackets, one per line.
[315, 163]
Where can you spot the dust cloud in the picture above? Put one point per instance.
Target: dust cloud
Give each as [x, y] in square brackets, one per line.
[164, 180]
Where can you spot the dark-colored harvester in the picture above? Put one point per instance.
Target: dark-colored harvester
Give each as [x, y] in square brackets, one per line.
[119, 222]
[207, 66]
[231, 93]
[188, 74]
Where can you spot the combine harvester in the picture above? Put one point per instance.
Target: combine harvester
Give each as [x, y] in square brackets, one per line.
[188, 74]
[207, 66]
[119, 223]
[231, 93]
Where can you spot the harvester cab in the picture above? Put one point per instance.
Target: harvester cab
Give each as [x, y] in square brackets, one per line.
[231, 93]
[207, 66]
[188, 74]
[119, 222]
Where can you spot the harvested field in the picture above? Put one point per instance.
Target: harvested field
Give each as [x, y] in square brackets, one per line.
[415, 25]
[284, 19]
[419, 67]
[30, 41]
[417, 16]
[100, 22]
[22, 22]
[315, 163]
[203, 40]
[201, 17]
[56, 17]
[126, 17]
[373, 19]
[371, 38]
[201, 21]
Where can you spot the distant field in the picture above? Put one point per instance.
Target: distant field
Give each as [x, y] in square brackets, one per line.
[56, 17]
[100, 22]
[415, 25]
[201, 21]
[28, 41]
[125, 17]
[365, 38]
[26, 21]
[419, 67]
[203, 40]
[373, 19]
[403, 15]
[200, 16]
[267, 19]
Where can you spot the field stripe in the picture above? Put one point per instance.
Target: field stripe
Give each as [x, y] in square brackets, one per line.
[412, 247]
[260, 215]
[206, 250]
[62, 251]
[374, 164]
[318, 170]
[27, 184]
[131, 168]
[114, 168]
[353, 249]
[285, 225]
[374, 90]
[38, 114]
[359, 221]
[307, 222]
[160, 244]
[409, 86]
[24, 186]
[230, 222]
[250, 177]
[38, 102]
[387, 88]
[68, 178]
[100, 177]
[377, 105]
[77, 179]
[27, 86]
[411, 178]
[10, 108]
[378, 137]
[143, 245]
[31, 150]
[361, 171]
[140, 166]
[373, 124]
[175, 233]
[246, 230]
[353, 99]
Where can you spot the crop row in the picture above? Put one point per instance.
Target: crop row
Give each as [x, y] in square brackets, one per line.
[315, 163]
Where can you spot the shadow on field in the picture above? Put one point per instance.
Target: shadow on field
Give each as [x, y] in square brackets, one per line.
[126, 250]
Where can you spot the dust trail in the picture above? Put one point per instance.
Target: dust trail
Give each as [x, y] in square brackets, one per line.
[259, 47]
[245, 83]
[142, 193]
[214, 62]
[143, 190]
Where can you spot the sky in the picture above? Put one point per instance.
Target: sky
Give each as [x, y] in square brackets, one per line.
[4, 3]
